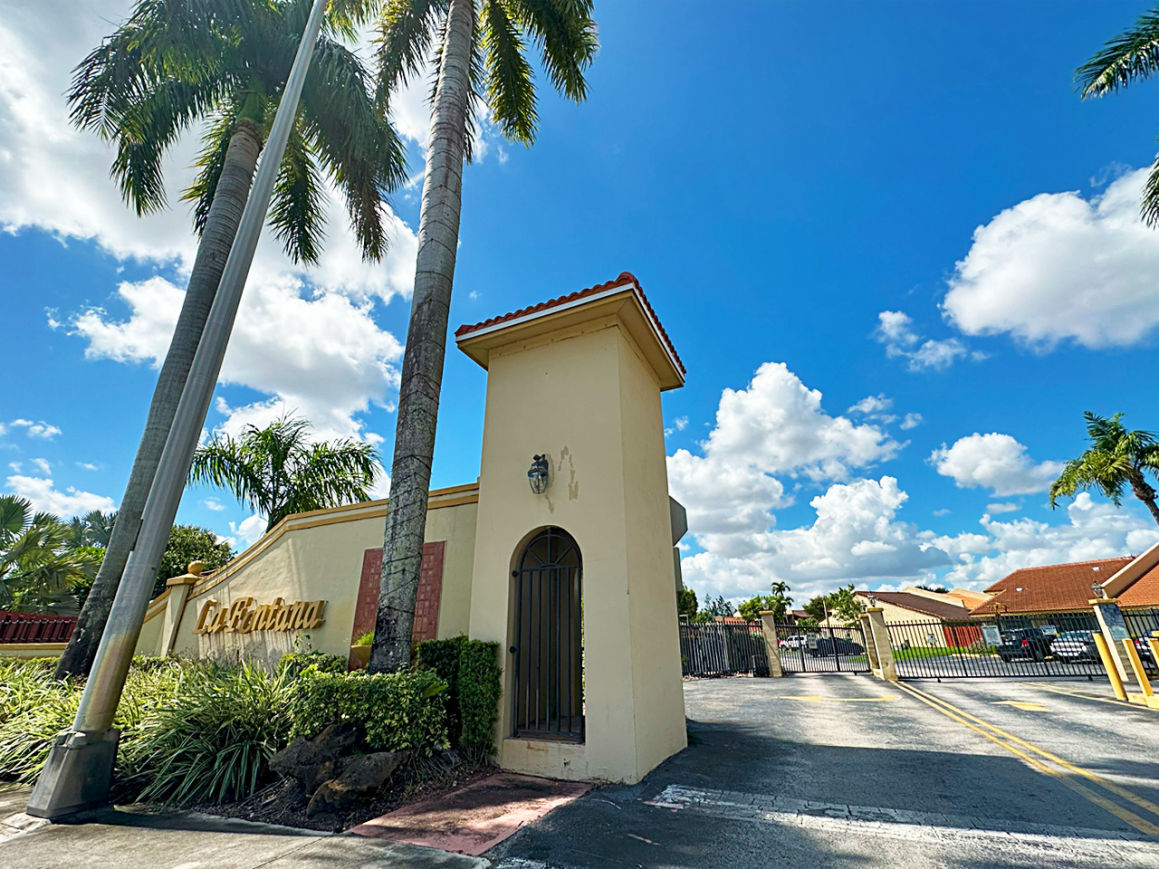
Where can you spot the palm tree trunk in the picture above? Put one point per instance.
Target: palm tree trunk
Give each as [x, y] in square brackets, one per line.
[229, 200]
[422, 367]
[1145, 492]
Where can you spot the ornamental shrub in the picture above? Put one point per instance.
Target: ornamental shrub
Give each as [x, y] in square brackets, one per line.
[478, 697]
[442, 656]
[294, 664]
[392, 711]
[471, 670]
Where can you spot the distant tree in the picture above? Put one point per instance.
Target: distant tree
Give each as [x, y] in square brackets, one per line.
[842, 605]
[778, 603]
[937, 589]
[93, 529]
[686, 604]
[1116, 458]
[715, 607]
[277, 471]
[1131, 56]
[190, 543]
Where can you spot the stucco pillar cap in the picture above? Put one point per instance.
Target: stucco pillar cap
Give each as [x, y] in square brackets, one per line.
[1100, 601]
[192, 574]
[874, 609]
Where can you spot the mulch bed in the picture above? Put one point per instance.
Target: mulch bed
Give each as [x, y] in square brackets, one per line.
[284, 802]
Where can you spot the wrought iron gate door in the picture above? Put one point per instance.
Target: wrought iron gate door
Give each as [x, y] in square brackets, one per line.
[547, 647]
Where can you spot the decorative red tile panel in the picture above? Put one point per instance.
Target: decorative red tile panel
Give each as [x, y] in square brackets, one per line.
[426, 619]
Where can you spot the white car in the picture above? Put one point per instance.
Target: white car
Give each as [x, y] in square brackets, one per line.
[796, 641]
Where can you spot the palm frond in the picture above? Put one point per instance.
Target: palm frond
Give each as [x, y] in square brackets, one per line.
[406, 34]
[567, 36]
[510, 85]
[1130, 56]
[296, 209]
[353, 140]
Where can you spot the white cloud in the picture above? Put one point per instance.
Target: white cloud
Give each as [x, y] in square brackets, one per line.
[678, 424]
[42, 429]
[248, 531]
[44, 495]
[1059, 267]
[43, 466]
[1093, 530]
[1003, 507]
[321, 357]
[88, 466]
[213, 504]
[872, 405]
[855, 537]
[993, 461]
[911, 420]
[895, 330]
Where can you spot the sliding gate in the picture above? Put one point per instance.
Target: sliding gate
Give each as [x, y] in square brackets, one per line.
[822, 650]
[1048, 645]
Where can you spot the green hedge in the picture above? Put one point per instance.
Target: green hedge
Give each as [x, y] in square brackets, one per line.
[392, 711]
[471, 670]
[295, 663]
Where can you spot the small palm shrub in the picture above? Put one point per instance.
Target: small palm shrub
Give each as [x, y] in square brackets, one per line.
[213, 741]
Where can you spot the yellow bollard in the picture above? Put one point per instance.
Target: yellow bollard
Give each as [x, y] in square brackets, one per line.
[1137, 666]
[1109, 666]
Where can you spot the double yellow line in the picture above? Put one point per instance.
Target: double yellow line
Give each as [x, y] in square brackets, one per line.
[1050, 764]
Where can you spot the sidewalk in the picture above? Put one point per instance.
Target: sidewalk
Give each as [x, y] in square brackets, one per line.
[127, 838]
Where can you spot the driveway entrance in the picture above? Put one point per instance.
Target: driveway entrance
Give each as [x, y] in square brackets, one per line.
[821, 770]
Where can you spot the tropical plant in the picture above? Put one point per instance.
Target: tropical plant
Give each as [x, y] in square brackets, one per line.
[1131, 56]
[686, 603]
[479, 52]
[1116, 458]
[38, 570]
[277, 470]
[840, 605]
[93, 529]
[778, 603]
[176, 64]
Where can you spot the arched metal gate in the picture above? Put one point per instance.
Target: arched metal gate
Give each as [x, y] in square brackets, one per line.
[547, 641]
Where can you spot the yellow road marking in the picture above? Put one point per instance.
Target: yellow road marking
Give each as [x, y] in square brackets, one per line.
[814, 698]
[1081, 694]
[1125, 815]
[961, 716]
[1022, 704]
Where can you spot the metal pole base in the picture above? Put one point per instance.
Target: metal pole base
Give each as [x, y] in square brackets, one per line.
[78, 774]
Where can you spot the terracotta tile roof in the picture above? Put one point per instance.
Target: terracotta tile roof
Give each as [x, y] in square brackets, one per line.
[625, 279]
[969, 598]
[1050, 588]
[731, 620]
[919, 604]
[1142, 592]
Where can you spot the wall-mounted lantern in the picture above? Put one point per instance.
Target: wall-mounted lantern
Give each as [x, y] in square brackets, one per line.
[537, 474]
[1098, 591]
[872, 598]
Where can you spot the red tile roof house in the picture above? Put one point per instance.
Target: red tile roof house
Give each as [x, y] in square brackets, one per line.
[928, 618]
[1034, 596]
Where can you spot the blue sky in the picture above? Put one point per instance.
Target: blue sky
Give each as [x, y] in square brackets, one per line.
[897, 254]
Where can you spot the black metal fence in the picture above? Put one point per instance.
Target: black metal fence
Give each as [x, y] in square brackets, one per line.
[716, 649]
[822, 650]
[1047, 645]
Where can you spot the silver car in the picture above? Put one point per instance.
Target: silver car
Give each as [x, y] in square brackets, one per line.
[1075, 646]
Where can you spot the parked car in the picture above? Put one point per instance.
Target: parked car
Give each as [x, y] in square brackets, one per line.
[1029, 643]
[796, 641]
[1075, 646]
[828, 647]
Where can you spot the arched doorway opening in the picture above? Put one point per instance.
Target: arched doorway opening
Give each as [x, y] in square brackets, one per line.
[547, 638]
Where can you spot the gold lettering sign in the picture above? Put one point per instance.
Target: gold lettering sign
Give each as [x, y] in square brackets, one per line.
[243, 617]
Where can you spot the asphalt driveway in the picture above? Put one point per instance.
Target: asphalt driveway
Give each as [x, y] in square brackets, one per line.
[830, 770]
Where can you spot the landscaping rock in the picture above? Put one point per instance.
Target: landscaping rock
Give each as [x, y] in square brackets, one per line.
[313, 761]
[369, 772]
[360, 777]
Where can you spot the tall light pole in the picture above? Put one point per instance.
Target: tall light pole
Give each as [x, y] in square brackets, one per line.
[80, 765]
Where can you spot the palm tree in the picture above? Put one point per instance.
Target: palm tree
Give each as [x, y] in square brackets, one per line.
[175, 64]
[38, 569]
[479, 49]
[93, 529]
[1115, 458]
[1130, 56]
[277, 471]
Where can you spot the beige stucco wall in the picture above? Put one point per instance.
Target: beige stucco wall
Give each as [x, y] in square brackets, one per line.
[900, 615]
[593, 412]
[318, 556]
